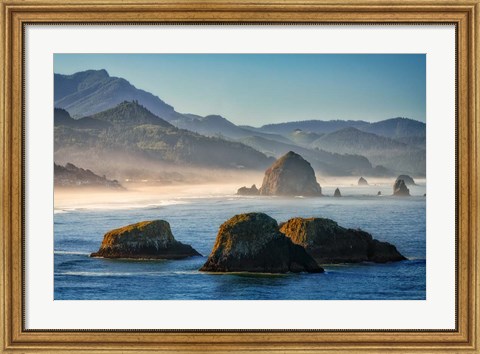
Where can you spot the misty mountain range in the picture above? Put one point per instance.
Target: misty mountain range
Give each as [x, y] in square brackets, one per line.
[99, 117]
[130, 129]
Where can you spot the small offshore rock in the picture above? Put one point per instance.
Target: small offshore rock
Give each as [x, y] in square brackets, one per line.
[253, 243]
[253, 190]
[362, 182]
[144, 240]
[407, 179]
[400, 189]
[337, 193]
[379, 193]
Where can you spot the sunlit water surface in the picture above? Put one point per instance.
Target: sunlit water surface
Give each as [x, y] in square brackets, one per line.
[195, 221]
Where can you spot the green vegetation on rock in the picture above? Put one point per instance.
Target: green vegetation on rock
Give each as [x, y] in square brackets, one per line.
[144, 240]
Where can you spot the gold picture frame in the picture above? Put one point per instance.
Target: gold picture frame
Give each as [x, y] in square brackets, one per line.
[16, 13]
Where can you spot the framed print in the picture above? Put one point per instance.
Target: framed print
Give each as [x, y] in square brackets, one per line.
[212, 176]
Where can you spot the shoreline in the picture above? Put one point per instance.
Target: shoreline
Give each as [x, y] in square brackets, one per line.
[141, 197]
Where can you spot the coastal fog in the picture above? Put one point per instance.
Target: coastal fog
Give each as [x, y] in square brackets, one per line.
[144, 192]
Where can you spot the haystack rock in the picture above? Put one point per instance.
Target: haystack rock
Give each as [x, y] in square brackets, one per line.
[253, 243]
[407, 179]
[253, 190]
[400, 189]
[362, 182]
[290, 175]
[337, 193]
[327, 242]
[143, 240]
[379, 193]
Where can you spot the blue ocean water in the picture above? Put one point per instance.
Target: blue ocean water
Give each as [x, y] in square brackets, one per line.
[195, 221]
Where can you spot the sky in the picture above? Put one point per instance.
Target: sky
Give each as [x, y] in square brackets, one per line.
[257, 89]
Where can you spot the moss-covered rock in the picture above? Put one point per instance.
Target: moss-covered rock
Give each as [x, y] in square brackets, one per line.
[252, 243]
[143, 240]
[327, 242]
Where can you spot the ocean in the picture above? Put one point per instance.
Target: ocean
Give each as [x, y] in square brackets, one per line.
[195, 220]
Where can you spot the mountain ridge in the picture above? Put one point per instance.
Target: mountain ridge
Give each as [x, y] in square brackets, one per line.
[92, 91]
[149, 137]
[391, 127]
[96, 92]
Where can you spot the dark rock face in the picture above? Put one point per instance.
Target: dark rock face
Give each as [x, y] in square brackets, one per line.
[362, 182]
[253, 190]
[337, 193]
[400, 189]
[252, 243]
[143, 240]
[383, 252]
[407, 179]
[73, 176]
[379, 193]
[290, 175]
[327, 242]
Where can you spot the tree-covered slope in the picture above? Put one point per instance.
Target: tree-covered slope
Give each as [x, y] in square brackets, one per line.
[326, 163]
[132, 129]
[396, 155]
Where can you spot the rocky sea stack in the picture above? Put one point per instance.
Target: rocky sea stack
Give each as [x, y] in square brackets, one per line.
[400, 189]
[253, 190]
[253, 243]
[337, 193]
[290, 175]
[327, 242]
[407, 179]
[362, 182]
[143, 240]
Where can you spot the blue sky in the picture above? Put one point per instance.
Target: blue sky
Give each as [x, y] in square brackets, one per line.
[257, 89]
